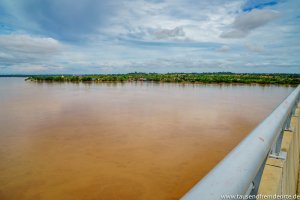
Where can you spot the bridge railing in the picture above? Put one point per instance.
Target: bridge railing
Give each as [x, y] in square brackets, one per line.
[239, 173]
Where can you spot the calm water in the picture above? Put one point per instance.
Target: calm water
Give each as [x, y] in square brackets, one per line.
[120, 141]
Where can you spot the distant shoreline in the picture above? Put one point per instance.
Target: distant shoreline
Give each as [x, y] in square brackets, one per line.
[203, 78]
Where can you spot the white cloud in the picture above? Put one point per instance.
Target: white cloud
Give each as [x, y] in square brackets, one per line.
[175, 33]
[224, 48]
[246, 22]
[25, 68]
[199, 21]
[26, 48]
[254, 47]
[29, 44]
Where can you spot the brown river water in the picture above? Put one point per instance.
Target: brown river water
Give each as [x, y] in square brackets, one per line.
[67, 141]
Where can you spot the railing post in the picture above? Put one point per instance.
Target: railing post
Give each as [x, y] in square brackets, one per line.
[257, 179]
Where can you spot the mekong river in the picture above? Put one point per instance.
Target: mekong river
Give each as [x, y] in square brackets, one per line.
[67, 141]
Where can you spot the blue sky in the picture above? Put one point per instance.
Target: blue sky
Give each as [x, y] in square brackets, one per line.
[121, 36]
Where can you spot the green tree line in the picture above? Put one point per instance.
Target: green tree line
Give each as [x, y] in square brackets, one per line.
[289, 79]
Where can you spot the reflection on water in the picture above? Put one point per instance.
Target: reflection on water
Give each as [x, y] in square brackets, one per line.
[120, 141]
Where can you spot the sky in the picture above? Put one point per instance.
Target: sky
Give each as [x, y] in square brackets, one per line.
[122, 36]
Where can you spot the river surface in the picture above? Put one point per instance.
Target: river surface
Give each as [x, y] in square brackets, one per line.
[67, 141]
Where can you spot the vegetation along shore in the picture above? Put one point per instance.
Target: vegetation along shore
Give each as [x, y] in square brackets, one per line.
[244, 78]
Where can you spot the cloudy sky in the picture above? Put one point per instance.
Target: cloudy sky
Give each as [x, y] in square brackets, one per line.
[120, 36]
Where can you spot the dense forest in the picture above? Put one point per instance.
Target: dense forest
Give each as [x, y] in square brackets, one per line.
[288, 79]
